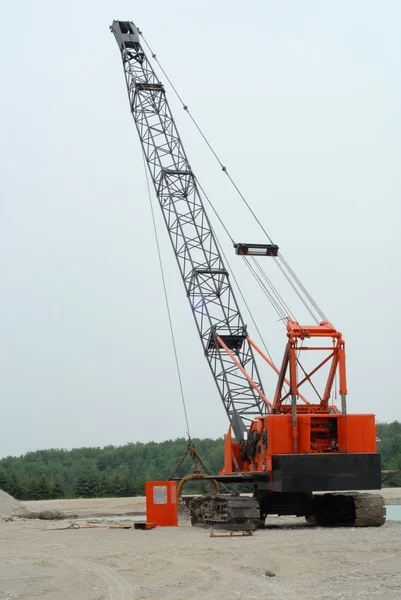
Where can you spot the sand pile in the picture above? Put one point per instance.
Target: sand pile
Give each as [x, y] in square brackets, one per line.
[9, 506]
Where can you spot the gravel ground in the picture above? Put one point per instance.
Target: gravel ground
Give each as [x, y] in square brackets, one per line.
[10, 506]
[96, 507]
[92, 507]
[288, 560]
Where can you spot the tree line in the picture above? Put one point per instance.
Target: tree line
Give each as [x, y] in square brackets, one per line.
[121, 471]
[112, 471]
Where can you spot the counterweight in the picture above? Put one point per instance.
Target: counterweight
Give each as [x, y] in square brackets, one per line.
[204, 274]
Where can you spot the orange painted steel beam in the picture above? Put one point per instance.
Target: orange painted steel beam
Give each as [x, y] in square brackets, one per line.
[311, 373]
[342, 371]
[272, 365]
[293, 370]
[281, 377]
[330, 379]
[246, 375]
[325, 329]
[314, 348]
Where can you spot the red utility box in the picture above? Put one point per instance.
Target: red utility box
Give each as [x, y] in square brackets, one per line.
[161, 503]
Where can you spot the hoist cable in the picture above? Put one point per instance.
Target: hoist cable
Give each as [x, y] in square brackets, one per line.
[297, 291]
[247, 306]
[166, 299]
[281, 302]
[274, 289]
[224, 169]
[216, 213]
[244, 301]
[303, 288]
[237, 283]
[268, 294]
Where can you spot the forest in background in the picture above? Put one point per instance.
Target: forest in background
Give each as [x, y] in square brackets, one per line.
[112, 471]
[120, 471]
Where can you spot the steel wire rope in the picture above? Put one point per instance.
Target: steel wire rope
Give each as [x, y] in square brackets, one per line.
[279, 305]
[166, 299]
[224, 169]
[308, 308]
[225, 229]
[216, 213]
[301, 285]
[254, 274]
[267, 293]
[273, 289]
[232, 272]
[244, 300]
[247, 306]
[284, 305]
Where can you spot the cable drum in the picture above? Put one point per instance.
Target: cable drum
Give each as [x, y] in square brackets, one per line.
[252, 443]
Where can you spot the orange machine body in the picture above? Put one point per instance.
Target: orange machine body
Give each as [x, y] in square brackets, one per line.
[317, 434]
[298, 427]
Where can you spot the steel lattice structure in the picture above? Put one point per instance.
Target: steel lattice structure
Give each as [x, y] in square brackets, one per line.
[203, 272]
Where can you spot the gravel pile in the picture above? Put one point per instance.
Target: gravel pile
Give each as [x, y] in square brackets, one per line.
[9, 506]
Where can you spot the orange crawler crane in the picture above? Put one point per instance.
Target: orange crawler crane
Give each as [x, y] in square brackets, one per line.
[286, 449]
[299, 447]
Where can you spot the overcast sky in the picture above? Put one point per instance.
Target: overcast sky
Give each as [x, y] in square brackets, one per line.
[302, 101]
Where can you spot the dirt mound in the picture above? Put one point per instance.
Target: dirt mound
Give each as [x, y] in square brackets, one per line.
[46, 515]
[9, 506]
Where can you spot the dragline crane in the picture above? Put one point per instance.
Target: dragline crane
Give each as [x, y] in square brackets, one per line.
[284, 449]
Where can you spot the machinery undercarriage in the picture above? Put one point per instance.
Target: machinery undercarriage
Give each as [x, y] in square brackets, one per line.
[337, 509]
[225, 511]
[301, 486]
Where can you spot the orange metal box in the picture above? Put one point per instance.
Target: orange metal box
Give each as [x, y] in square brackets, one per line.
[161, 503]
[357, 433]
[280, 434]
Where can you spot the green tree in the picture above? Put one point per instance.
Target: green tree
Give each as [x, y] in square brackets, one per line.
[58, 490]
[14, 486]
[4, 480]
[45, 488]
[82, 488]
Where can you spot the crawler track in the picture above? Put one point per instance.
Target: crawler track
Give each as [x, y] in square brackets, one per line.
[370, 510]
[352, 509]
[344, 509]
[225, 511]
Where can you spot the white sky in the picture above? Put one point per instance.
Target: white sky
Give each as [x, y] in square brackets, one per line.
[301, 100]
